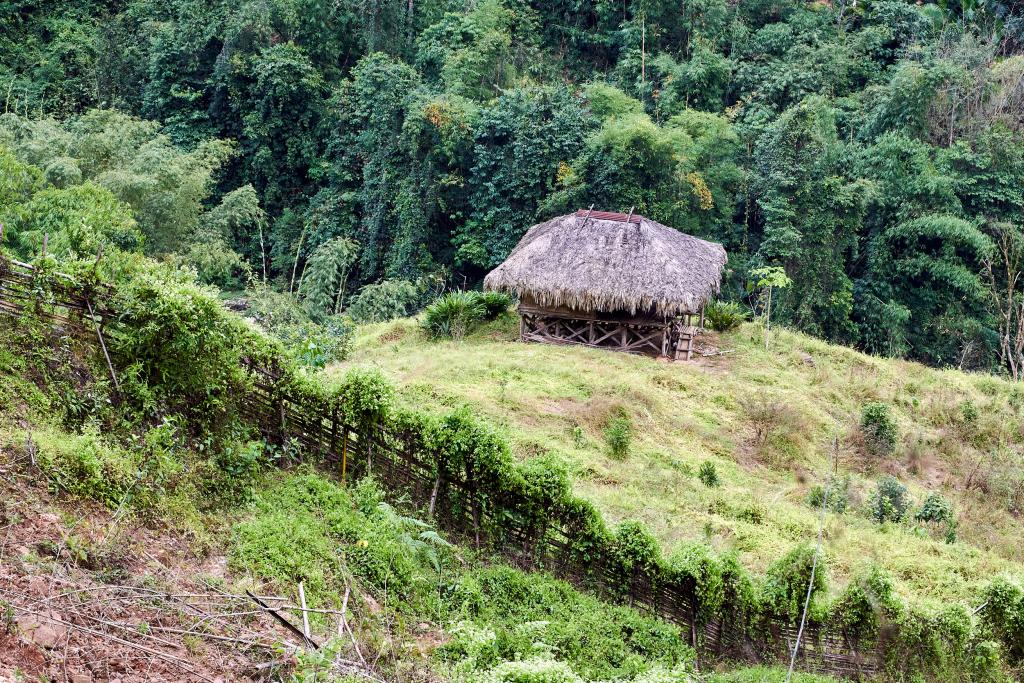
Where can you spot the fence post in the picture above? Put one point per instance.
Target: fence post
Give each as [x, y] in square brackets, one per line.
[433, 494]
[476, 512]
[334, 432]
[344, 454]
[369, 450]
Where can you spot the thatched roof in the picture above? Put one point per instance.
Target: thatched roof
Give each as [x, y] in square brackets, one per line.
[611, 264]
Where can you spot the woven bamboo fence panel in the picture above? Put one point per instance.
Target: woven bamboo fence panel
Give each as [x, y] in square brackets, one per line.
[454, 503]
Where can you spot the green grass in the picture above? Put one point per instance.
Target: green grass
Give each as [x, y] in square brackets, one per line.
[766, 419]
[763, 674]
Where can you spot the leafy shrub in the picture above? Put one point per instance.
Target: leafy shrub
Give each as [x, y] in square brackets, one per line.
[878, 428]
[316, 345]
[539, 670]
[838, 494]
[968, 413]
[365, 397]
[750, 512]
[312, 343]
[495, 303]
[935, 508]
[632, 552]
[619, 435]
[1002, 616]
[785, 585]
[724, 316]
[325, 277]
[454, 315]
[695, 564]
[177, 344]
[218, 265]
[889, 501]
[310, 529]
[937, 511]
[237, 465]
[606, 101]
[384, 301]
[708, 474]
[503, 613]
[86, 465]
[859, 610]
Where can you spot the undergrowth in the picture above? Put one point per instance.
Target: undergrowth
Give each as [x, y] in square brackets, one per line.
[179, 356]
[303, 527]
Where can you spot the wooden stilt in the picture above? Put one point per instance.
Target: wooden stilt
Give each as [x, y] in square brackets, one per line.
[658, 338]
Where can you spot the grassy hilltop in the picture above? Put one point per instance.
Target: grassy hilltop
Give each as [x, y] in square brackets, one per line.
[766, 420]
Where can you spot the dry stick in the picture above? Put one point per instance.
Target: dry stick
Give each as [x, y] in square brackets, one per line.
[433, 496]
[130, 629]
[284, 622]
[177, 661]
[354, 668]
[213, 636]
[150, 594]
[352, 635]
[814, 563]
[30, 446]
[344, 606]
[103, 345]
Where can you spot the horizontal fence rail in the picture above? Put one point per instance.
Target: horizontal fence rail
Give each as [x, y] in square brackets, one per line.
[452, 500]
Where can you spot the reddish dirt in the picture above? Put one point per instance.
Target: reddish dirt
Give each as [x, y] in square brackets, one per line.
[84, 600]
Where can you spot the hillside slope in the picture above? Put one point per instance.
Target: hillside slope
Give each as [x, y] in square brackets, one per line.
[766, 420]
[129, 545]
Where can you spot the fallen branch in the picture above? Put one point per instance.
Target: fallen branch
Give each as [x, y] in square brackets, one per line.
[284, 622]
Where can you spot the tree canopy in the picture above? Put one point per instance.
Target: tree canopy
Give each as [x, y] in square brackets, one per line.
[872, 150]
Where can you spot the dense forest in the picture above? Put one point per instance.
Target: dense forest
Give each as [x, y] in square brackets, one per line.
[361, 153]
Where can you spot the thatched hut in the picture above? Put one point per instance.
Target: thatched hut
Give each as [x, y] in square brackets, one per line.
[611, 280]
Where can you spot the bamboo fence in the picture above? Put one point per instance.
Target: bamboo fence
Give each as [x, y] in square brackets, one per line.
[454, 503]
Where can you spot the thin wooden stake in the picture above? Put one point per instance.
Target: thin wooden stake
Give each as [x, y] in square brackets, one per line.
[433, 496]
[344, 455]
[103, 345]
[344, 606]
[305, 613]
